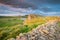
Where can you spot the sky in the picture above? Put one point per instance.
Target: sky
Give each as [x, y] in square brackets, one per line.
[23, 7]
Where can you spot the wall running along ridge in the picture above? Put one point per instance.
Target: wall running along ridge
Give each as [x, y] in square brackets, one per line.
[47, 31]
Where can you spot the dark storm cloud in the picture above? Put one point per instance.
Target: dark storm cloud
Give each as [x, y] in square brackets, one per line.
[19, 3]
[50, 1]
[54, 1]
[34, 4]
[46, 1]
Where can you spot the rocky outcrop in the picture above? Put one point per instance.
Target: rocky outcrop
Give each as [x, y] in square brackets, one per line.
[48, 31]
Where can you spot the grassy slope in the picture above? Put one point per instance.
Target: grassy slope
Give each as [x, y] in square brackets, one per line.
[8, 27]
[59, 24]
[12, 27]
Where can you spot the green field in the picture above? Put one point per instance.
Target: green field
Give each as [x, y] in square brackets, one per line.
[8, 27]
[11, 27]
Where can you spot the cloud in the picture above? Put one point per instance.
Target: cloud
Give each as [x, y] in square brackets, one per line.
[8, 11]
[54, 1]
[18, 14]
[51, 13]
[45, 1]
[18, 3]
[34, 4]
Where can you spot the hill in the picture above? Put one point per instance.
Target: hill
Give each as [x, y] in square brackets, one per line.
[39, 19]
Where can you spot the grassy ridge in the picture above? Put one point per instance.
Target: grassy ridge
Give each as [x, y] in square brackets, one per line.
[12, 26]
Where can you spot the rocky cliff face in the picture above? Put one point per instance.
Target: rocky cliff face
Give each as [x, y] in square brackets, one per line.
[48, 31]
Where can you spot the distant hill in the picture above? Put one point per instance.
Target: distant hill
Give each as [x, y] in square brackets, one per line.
[38, 19]
[25, 16]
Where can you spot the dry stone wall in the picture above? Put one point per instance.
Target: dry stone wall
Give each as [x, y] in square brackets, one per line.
[47, 31]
